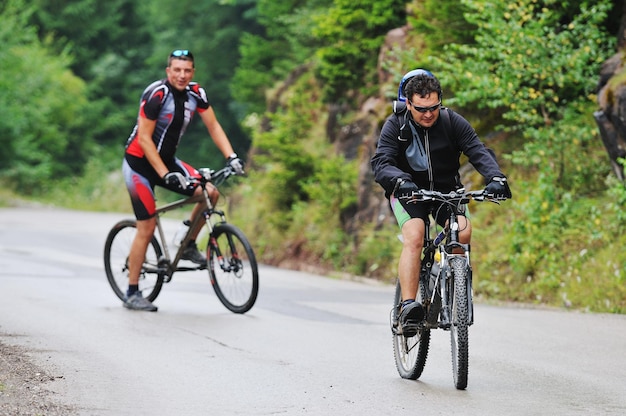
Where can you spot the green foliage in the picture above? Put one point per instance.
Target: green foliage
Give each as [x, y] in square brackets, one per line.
[346, 34]
[617, 192]
[258, 57]
[378, 252]
[570, 259]
[39, 122]
[100, 186]
[536, 64]
[353, 32]
[306, 189]
[270, 52]
[527, 60]
[109, 44]
[331, 192]
[438, 23]
[286, 165]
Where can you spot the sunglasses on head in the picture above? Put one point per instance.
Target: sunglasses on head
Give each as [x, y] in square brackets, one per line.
[181, 52]
[426, 109]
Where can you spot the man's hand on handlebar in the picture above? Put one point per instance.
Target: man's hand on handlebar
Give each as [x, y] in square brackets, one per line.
[176, 179]
[406, 189]
[236, 163]
[498, 188]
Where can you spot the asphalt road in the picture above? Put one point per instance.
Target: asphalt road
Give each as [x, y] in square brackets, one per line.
[310, 346]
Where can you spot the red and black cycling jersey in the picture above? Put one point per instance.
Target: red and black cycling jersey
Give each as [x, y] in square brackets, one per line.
[173, 110]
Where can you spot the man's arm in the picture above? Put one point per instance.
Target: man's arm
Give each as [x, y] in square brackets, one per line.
[145, 129]
[217, 133]
[476, 151]
[384, 162]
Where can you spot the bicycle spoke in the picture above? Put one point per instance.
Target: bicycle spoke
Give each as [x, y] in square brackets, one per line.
[233, 268]
[409, 352]
[116, 250]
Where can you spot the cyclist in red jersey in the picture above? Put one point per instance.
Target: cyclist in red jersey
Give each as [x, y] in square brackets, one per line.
[166, 108]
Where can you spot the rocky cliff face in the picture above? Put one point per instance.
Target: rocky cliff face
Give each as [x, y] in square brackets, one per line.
[358, 141]
[611, 117]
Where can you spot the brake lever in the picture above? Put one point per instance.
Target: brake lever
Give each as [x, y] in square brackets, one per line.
[492, 198]
[414, 197]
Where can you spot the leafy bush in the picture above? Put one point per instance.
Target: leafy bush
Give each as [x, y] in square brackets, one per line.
[516, 66]
[43, 109]
[352, 32]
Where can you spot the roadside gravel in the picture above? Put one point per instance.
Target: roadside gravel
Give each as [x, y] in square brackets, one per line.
[23, 386]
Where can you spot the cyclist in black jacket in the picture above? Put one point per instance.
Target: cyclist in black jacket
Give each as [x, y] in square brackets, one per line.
[419, 148]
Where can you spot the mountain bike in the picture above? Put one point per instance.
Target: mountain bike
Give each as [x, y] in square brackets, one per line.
[231, 262]
[445, 291]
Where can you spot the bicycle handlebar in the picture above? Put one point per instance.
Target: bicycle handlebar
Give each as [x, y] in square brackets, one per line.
[460, 196]
[216, 177]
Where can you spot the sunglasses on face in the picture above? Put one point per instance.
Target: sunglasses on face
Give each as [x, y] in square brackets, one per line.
[181, 52]
[426, 109]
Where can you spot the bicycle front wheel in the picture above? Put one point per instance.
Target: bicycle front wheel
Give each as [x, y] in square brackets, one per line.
[233, 268]
[409, 352]
[459, 330]
[116, 251]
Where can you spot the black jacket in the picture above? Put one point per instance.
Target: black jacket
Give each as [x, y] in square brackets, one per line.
[442, 143]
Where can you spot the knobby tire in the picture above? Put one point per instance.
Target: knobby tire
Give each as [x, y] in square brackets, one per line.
[233, 268]
[116, 251]
[410, 353]
[459, 330]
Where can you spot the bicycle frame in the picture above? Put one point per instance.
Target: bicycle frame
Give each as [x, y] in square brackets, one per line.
[439, 298]
[167, 265]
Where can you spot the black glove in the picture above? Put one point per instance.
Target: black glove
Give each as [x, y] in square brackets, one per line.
[176, 179]
[498, 188]
[235, 163]
[406, 189]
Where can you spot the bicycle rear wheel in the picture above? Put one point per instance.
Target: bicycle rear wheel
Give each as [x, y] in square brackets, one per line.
[116, 251]
[409, 352]
[459, 330]
[233, 268]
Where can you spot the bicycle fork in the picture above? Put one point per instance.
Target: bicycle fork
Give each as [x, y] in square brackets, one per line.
[230, 263]
[442, 297]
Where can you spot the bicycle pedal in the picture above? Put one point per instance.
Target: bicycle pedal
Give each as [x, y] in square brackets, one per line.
[393, 322]
[409, 330]
[411, 324]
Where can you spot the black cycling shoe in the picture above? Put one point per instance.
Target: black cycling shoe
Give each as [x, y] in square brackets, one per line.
[192, 254]
[410, 316]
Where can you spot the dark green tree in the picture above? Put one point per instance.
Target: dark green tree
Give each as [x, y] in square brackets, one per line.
[41, 104]
[270, 51]
[352, 32]
[110, 43]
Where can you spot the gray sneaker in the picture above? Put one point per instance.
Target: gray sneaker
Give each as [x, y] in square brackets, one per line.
[192, 254]
[137, 302]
